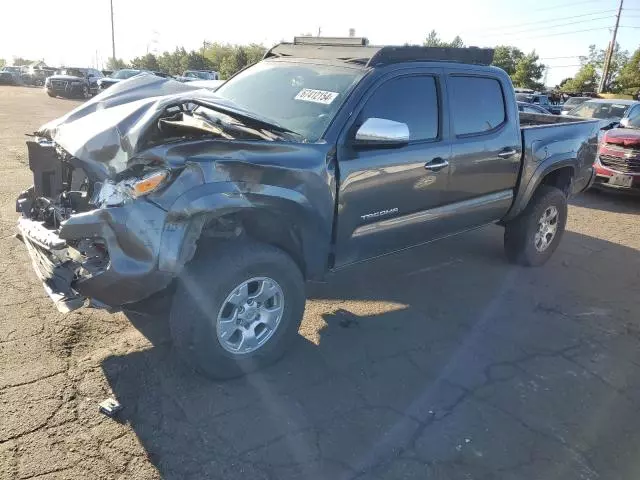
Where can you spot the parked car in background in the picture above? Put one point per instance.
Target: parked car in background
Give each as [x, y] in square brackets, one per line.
[571, 103]
[538, 99]
[191, 75]
[8, 77]
[212, 85]
[73, 82]
[161, 74]
[117, 76]
[291, 170]
[125, 73]
[531, 108]
[608, 111]
[618, 163]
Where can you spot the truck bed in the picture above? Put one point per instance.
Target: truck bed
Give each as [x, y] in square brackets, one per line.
[550, 141]
[533, 120]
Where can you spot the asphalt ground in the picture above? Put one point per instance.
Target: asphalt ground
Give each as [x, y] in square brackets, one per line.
[443, 362]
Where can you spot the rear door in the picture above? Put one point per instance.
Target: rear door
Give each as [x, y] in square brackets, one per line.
[385, 194]
[486, 147]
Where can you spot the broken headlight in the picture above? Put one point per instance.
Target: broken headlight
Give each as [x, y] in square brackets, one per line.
[112, 194]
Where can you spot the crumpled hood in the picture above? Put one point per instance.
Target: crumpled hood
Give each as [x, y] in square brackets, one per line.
[104, 132]
[626, 137]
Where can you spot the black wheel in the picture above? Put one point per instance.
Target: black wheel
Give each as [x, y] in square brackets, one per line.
[85, 92]
[236, 309]
[531, 238]
[51, 94]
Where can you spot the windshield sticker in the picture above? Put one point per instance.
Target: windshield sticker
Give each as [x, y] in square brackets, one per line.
[316, 96]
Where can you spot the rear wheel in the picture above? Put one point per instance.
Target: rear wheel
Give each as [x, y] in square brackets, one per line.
[532, 237]
[237, 308]
[51, 94]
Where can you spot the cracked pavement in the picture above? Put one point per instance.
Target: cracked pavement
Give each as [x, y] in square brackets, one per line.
[442, 362]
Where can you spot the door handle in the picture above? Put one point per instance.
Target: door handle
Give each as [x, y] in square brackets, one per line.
[436, 164]
[507, 152]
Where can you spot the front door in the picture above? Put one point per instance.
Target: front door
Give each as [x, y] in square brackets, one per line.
[385, 194]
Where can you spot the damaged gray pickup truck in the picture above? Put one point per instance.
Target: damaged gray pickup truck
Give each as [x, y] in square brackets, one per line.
[326, 153]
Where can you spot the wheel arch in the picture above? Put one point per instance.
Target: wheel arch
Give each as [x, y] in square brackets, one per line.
[559, 174]
[272, 215]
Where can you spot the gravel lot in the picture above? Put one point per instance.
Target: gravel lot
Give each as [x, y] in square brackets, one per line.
[444, 362]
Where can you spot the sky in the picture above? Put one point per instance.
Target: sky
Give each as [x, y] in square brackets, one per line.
[78, 32]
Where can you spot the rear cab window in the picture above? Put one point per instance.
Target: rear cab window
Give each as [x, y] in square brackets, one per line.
[477, 104]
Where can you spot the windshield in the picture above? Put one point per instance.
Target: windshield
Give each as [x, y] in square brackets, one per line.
[201, 75]
[523, 97]
[301, 97]
[602, 110]
[573, 101]
[123, 74]
[72, 72]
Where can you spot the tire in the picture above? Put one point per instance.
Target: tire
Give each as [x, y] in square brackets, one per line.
[86, 94]
[520, 242]
[201, 293]
[51, 94]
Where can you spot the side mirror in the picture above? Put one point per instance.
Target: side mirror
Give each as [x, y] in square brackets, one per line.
[624, 123]
[382, 132]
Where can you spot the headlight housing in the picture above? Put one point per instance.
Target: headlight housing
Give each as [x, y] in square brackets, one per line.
[112, 194]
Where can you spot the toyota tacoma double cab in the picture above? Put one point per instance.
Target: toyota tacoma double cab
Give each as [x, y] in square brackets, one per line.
[326, 153]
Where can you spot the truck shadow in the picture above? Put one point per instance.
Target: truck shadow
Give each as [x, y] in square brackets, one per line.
[388, 351]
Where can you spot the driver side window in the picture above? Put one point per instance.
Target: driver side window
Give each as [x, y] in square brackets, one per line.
[411, 100]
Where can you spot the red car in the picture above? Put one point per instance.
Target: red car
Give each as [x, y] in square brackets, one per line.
[618, 162]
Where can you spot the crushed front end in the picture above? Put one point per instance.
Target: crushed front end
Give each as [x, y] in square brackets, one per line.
[83, 247]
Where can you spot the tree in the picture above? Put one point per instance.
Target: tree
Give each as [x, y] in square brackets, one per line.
[194, 61]
[116, 64]
[21, 61]
[563, 83]
[596, 57]
[146, 62]
[507, 57]
[433, 40]
[586, 80]
[528, 72]
[2, 62]
[171, 62]
[629, 78]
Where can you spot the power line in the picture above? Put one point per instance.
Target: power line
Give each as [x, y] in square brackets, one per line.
[565, 5]
[571, 17]
[548, 26]
[564, 33]
[558, 58]
[562, 66]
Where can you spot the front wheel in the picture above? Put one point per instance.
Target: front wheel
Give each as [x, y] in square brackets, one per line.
[531, 238]
[236, 309]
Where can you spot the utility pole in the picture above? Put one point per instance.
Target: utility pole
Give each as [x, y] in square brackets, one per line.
[610, 52]
[113, 37]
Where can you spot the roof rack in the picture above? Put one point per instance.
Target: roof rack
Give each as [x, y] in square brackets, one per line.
[357, 50]
[308, 40]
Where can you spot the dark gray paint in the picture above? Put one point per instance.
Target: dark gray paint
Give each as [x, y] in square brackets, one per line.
[314, 196]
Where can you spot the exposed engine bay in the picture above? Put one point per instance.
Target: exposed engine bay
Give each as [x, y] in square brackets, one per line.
[99, 220]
